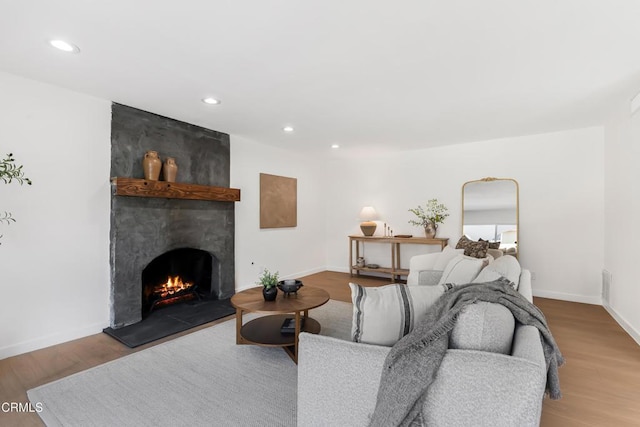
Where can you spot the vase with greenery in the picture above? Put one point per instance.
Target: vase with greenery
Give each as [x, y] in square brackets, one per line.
[269, 282]
[9, 172]
[429, 217]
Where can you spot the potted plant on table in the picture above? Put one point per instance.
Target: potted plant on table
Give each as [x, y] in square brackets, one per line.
[269, 282]
[429, 217]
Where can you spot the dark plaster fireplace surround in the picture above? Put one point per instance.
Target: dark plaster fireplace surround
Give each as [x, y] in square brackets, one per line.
[154, 237]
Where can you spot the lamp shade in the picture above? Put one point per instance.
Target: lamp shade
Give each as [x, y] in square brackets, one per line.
[368, 213]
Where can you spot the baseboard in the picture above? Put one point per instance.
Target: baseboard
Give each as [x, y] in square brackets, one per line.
[595, 300]
[622, 322]
[49, 340]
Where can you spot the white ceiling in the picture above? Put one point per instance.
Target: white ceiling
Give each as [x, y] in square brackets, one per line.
[374, 74]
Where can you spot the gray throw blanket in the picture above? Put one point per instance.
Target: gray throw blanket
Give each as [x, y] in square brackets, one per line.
[413, 362]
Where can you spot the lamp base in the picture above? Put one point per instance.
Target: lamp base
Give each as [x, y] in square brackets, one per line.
[368, 228]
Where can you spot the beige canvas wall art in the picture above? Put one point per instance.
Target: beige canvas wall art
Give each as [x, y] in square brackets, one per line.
[278, 201]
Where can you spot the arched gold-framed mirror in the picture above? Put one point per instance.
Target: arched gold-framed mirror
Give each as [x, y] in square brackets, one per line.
[491, 211]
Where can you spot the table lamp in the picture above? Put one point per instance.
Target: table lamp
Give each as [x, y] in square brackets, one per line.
[367, 215]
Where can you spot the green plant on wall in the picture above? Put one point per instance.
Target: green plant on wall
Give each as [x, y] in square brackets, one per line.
[10, 172]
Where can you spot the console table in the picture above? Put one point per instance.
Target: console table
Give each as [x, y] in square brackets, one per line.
[394, 270]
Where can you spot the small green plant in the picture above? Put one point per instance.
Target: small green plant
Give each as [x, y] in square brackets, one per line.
[434, 213]
[9, 171]
[268, 279]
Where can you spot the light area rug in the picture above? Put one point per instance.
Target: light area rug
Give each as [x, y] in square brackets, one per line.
[200, 379]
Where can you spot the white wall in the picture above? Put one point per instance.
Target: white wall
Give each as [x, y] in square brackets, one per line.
[561, 202]
[54, 260]
[294, 251]
[622, 214]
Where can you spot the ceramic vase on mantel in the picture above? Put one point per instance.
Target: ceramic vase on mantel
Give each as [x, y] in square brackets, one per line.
[151, 165]
[430, 230]
[170, 170]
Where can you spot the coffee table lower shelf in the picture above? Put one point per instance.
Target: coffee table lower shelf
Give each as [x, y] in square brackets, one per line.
[265, 331]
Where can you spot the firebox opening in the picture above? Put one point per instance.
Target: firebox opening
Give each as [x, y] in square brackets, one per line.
[176, 276]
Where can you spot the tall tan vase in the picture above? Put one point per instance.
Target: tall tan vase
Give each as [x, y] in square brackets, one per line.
[151, 165]
[170, 169]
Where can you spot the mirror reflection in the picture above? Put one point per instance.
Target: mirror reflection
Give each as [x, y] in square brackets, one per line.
[490, 212]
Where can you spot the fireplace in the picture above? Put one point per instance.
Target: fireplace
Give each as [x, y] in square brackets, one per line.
[172, 259]
[176, 276]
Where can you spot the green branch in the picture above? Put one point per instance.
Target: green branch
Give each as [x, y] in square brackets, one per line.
[9, 171]
[6, 217]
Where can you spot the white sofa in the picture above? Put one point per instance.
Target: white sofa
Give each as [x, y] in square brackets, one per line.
[338, 380]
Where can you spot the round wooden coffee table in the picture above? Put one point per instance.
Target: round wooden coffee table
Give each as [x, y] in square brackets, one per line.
[265, 330]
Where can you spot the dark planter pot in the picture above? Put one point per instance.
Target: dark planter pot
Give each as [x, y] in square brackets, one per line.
[269, 294]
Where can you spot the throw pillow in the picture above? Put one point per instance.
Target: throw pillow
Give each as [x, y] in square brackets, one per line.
[505, 266]
[447, 254]
[382, 315]
[460, 270]
[473, 248]
[492, 245]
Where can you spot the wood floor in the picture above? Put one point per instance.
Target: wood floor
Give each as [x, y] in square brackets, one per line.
[600, 381]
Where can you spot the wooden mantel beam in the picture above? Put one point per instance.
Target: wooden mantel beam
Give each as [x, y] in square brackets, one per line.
[173, 190]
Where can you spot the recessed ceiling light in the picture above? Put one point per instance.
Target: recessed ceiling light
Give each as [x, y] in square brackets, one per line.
[64, 46]
[211, 101]
[335, 146]
[288, 129]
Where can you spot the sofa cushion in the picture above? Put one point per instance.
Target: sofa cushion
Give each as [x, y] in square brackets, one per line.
[505, 266]
[461, 269]
[382, 315]
[484, 326]
[429, 277]
[473, 248]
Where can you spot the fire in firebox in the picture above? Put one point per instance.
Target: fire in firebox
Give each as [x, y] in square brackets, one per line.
[172, 291]
[173, 285]
[177, 276]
